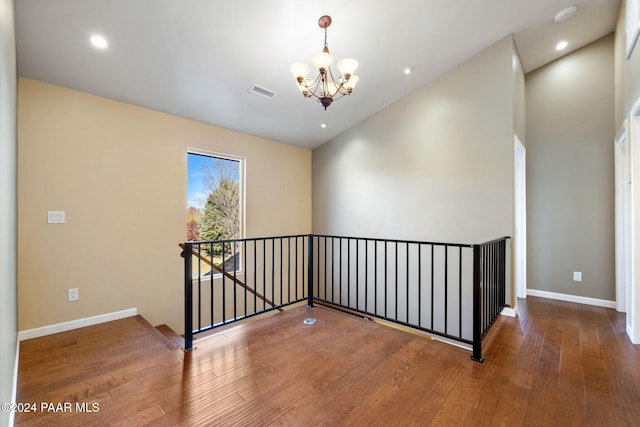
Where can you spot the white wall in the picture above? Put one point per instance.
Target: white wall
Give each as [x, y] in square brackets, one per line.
[8, 205]
[436, 165]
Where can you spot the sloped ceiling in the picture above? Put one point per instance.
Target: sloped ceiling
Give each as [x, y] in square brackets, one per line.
[198, 58]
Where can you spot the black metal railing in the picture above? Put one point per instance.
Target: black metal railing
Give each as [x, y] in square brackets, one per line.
[229, 280]
[424, 285]
[451, 290]
[489, 288]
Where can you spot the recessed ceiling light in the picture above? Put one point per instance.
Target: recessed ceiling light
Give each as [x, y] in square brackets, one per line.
[407, 70]
[565, 14]
[562, 45]
[99, 42]
[324, 125]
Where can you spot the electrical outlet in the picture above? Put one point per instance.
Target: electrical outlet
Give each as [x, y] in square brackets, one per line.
[72, 294]
[577, 276]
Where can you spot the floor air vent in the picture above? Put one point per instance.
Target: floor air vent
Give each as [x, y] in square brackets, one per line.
[261, 91]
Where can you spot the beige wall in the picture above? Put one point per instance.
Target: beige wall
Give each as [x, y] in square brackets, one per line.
[119, 173]
[436, 165]
[8, 205]
[570, 187]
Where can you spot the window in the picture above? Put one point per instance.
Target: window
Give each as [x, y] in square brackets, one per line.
[214, 200]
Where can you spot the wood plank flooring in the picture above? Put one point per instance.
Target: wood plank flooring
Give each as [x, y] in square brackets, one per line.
[557, 364]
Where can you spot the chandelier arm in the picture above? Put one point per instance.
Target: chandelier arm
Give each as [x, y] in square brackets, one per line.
[339, 86]
[313, 88]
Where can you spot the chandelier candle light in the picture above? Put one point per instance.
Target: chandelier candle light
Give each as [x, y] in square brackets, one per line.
[325, 88]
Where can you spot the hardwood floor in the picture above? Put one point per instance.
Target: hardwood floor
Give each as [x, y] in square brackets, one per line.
[557, 364]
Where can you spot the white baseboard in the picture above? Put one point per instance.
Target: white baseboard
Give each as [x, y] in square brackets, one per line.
[75, 324]
[572, 298]
[510, 312]
[631, 336]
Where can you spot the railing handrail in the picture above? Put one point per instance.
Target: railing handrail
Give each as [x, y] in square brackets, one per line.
[369, 239]
[245, 239]
[499, 239]
[411, 242]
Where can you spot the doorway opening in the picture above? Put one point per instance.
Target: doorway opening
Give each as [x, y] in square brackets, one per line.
[520, 220]
[623, 262]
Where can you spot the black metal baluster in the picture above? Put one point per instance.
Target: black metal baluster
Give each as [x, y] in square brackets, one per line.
[407, 293]
[264, 274]
[281, 271]
[503, 273]
[385, 278]
[333, 274]
[432, 287]
[484, 287]
[395, 315]
[324, 270]
[273, 270]
[366, 276]
[460, 292]
[495, 281]
[340, 269]
[307, 272]
[446, 287]
[493, 285]
[317, 264]
[419, 285]
[244, 262]
[211, 285]
[224, 288]
[235, 282]
[199, 289]
[289, 269]
[357, 274]
[375, 276]
[487, 286]
[348, 272]
[255, 276]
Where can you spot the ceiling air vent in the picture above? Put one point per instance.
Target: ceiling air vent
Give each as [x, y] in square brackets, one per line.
[261, 91]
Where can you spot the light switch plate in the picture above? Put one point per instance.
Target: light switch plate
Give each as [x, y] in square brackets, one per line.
[577, 276]
[55, 217]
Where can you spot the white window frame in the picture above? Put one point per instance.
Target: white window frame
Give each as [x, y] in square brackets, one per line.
[242, 188]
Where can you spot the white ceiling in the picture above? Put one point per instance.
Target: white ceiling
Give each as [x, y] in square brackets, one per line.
[198, 58]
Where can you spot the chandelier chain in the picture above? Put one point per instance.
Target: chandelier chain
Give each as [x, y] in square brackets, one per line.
[325, 38]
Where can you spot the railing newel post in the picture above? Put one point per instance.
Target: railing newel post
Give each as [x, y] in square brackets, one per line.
[310, 269]
[477, 306]
[188, 297]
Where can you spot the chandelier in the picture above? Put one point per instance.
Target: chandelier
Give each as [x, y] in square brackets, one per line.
[325, 88]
